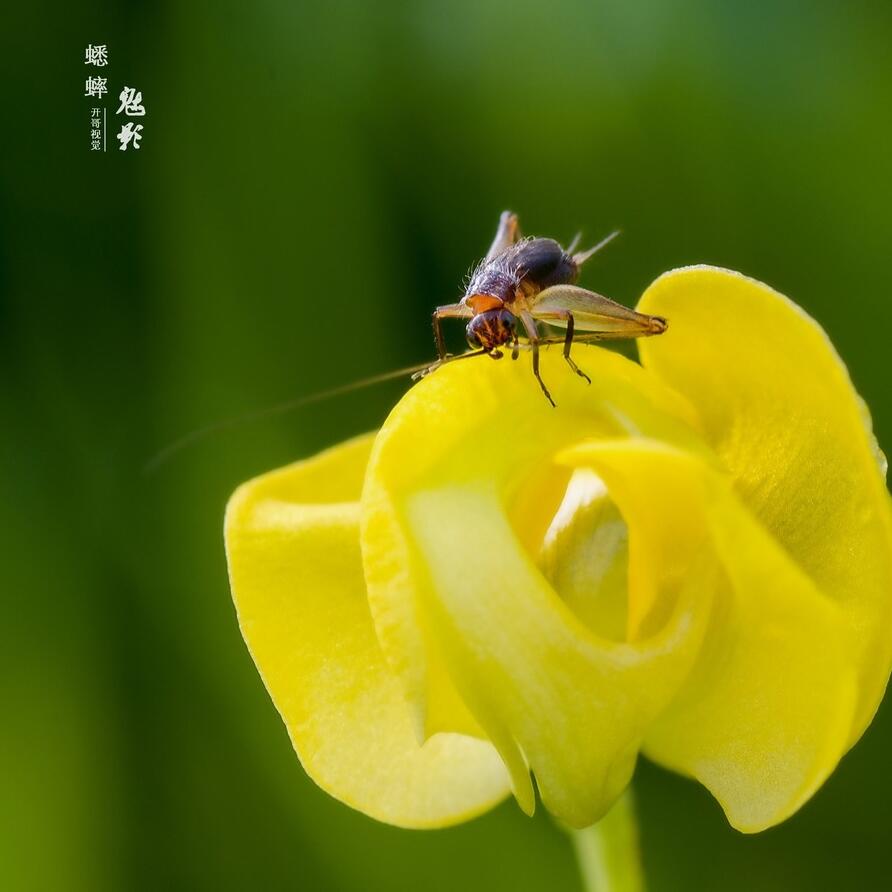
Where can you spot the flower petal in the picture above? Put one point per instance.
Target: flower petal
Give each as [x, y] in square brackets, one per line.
[292, 540]
[765, 716]
[452, 586]
[585, 556]
[777, 405]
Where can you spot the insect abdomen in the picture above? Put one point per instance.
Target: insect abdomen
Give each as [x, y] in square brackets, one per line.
[542, 262]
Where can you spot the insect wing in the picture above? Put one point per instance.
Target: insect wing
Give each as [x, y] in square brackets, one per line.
[593, 312]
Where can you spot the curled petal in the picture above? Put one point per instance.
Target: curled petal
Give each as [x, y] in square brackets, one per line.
[585, 555]
[457, 596]
[776, 404]
[765, 716]
[292, 541]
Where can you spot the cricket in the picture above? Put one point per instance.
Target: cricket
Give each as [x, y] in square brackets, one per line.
[530, 280]
[533, 280]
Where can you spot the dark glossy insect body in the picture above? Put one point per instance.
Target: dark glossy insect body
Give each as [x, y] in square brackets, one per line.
[534, 279]
[501, 286]
[525, 268]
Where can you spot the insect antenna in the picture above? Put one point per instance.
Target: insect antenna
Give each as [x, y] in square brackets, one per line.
[415, 371]
[432, 367]
[199, 434]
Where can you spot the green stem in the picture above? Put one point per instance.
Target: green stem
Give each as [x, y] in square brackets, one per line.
[608, 852]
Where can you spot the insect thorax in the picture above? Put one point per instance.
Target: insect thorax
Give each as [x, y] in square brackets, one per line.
[526, 267]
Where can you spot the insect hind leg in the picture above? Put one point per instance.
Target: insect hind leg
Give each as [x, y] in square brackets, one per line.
[568, 341]
[566, 318]
[506, 235]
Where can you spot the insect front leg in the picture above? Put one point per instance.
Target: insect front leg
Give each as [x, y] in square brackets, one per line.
[533, 334]
[450, 311]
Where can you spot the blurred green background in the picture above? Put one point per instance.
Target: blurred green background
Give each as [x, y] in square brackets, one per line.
[313, 179]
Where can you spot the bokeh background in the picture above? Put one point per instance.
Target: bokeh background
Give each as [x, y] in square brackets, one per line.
[313, 179]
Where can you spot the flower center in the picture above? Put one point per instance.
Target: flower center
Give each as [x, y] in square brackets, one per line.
[583, 551]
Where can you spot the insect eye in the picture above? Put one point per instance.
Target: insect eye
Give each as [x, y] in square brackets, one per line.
[473, 340]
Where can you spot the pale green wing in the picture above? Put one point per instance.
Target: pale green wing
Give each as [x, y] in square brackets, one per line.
[592, 312]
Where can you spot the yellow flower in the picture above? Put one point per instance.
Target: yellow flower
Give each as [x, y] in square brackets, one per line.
[691, 558]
